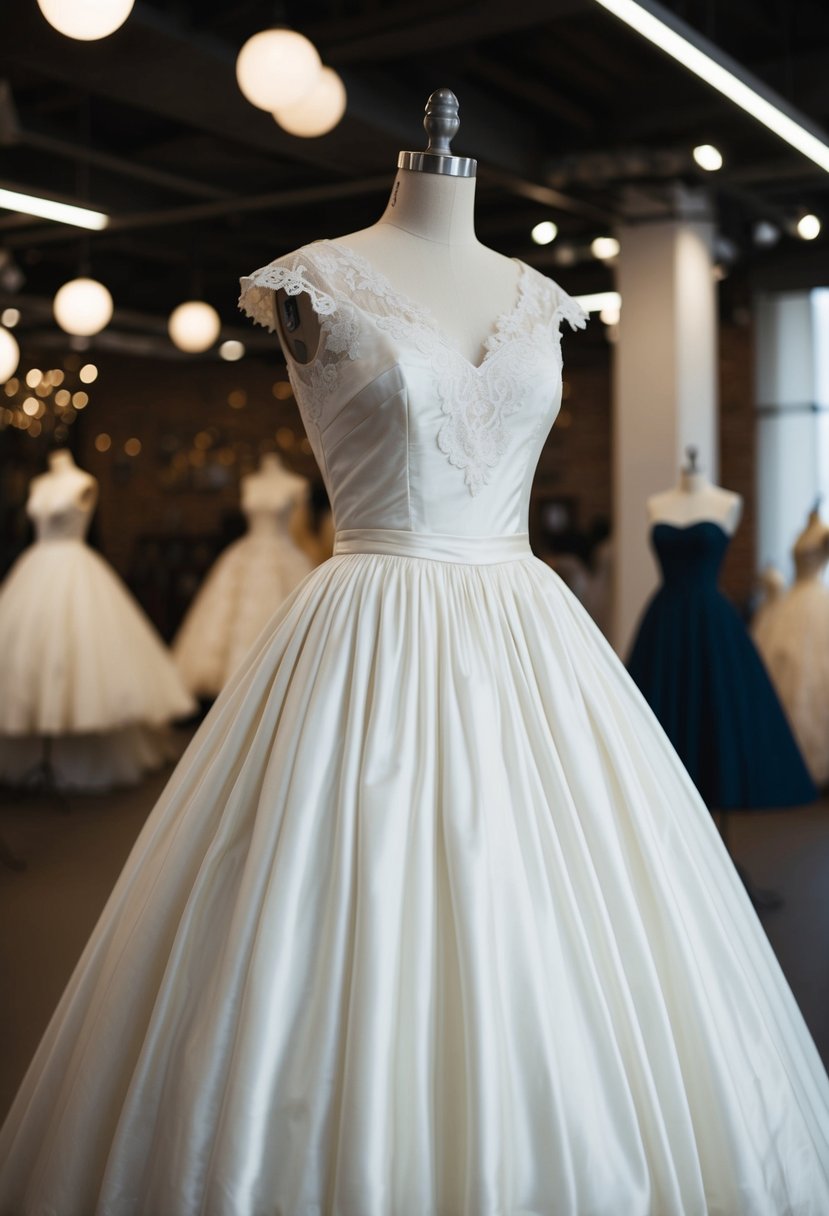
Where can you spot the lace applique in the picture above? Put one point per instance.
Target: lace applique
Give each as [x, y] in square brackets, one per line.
[339, 326]
[477, 400]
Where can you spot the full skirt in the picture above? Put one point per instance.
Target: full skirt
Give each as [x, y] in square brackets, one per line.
[429, 921]
[792, 635]
[244, 588]
[77, 654]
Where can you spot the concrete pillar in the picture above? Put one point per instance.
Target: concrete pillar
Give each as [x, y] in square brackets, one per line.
[664, 384]
[792, 394]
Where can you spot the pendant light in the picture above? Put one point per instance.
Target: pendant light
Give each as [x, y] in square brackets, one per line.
[276, 68]
[83, 307]
[318, 111]
[194, 326]
[9, 355]
[86, 20]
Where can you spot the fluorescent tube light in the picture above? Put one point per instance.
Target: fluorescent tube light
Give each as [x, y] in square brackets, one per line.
[717, 69]
[48, 209]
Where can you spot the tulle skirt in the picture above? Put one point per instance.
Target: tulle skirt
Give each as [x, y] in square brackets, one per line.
[429, 921]
[792, 634]
[77, 655]
[244, 588]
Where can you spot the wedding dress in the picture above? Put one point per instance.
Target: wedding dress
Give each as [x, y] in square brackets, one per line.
[792, 634]
[430, 920]
[80, 664]
[243, 589]
[697, 667]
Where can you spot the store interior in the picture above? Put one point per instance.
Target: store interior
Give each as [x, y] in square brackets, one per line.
[141, 410]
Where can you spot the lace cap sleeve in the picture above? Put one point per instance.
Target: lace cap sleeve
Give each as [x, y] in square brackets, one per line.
[294, 274]
[565, 308]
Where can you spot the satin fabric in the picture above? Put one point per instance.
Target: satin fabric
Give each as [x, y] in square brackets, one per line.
[430, 920]
[702, 676]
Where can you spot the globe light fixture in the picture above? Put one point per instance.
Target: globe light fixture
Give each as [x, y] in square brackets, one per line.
[275, 68]
[318, 111]
[83, 307]
[708, 157]
[604, 248]
[808, 227]
[544, 233]
[10, 317]
[194, 326]
[9, 355]
[231, 350]
[86, 20]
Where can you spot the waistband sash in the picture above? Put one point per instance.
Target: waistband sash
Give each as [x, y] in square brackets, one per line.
[436, 547]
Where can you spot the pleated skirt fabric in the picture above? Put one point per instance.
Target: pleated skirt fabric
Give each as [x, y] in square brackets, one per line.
[429, 921]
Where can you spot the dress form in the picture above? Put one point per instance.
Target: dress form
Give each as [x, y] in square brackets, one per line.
[64, 485]
[269, 489]
[425, 244]
[695, 500]
[811, 549]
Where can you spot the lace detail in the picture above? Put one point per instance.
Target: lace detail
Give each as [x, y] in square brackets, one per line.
[477, 400]
[257, 296]
[339, 339]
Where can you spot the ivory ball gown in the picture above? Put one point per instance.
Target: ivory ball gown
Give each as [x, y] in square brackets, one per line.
[792, 634]
[430, 920]
[243, 589]
[80, 664]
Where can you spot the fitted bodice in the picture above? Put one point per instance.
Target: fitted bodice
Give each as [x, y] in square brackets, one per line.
[408, 433]
[689, 556]
[59, 516]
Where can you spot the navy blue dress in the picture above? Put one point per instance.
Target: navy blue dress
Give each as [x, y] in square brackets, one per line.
[698, 668]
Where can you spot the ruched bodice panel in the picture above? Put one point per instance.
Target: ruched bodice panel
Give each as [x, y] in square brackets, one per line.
[409, 434]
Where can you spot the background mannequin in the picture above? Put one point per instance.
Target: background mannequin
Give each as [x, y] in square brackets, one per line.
[695, 499]
[247, 583]
[425, 244]
[695, 663]
[83, 674]
[792, 635]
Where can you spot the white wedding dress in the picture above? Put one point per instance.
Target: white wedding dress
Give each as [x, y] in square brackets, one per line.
[430, 920]
[243, 589]
[792, 635]
[80, 664]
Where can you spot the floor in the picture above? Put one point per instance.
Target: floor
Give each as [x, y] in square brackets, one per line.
[74, 851]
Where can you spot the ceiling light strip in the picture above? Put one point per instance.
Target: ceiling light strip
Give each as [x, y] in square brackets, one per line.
[50, 209]
[717, 69]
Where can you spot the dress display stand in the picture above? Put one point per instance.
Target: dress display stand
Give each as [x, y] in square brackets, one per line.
[792, 635]
[430, 918]
[87, 688]
[248, 582]
[695, 663]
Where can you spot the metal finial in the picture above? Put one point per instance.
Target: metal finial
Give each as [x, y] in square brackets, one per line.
[441, 124]
[691, 453]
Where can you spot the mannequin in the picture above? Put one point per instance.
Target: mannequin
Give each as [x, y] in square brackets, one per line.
[269, 489]
[248, 582]
[695, 500]
[792, 635]
[811, 549]
[425, 244]
[87, 687]
[63, 486]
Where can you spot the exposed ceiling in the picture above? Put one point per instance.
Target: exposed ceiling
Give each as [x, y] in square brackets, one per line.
[571, 116]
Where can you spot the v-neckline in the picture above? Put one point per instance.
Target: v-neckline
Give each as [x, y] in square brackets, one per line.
[426, 316]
